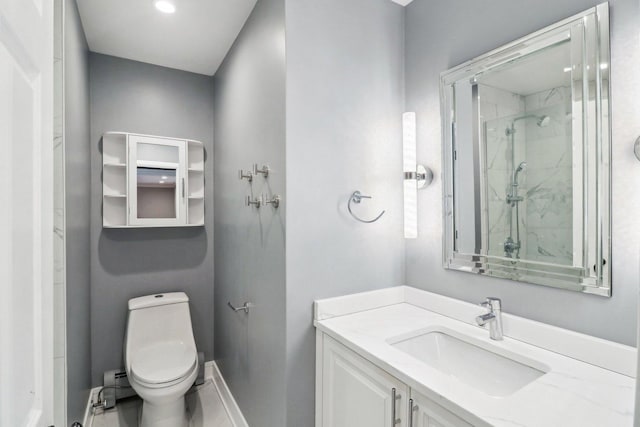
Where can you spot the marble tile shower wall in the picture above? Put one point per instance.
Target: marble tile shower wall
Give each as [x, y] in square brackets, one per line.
[545, 214]
[59, 290]
[548, 178]
[497, 106]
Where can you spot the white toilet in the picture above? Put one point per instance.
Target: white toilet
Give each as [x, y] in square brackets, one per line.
[160, 357]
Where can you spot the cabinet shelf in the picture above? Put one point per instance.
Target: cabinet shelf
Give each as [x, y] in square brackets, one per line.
[116, 165]
[116, 195]
[195, 154]
[196, 210]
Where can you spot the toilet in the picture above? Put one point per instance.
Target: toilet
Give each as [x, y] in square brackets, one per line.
[160, 357]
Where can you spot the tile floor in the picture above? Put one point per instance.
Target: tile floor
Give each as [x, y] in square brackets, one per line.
[204, 407]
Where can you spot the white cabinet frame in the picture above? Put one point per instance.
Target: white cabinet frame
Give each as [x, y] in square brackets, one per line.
[119, 181]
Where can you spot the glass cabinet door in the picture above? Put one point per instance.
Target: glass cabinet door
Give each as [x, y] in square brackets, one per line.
[156, 181]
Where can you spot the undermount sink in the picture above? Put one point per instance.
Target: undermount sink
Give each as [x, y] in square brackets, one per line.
[494, 374]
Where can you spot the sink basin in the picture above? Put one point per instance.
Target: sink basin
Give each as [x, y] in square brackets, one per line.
[456, 355]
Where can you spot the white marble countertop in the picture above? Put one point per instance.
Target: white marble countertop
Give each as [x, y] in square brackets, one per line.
[572, 392]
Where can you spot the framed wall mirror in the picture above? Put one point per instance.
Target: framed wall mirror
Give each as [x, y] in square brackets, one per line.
[526, 153]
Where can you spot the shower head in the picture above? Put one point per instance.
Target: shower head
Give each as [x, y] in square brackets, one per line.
[543, 121]
[519, 169]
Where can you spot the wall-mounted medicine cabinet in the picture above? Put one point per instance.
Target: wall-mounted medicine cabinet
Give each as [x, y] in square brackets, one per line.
[151, 181]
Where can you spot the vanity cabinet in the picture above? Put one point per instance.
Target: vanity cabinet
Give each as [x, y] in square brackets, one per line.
[353, 392]
[356, 392]
[151, 181]
[427, 413]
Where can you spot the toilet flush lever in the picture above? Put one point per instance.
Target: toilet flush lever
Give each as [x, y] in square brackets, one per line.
[244, 308]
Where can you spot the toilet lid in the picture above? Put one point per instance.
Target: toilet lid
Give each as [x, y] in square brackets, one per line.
[163, 362]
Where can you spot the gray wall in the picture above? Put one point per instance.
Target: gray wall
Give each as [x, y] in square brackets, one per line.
[77, 197]
[135, 97]
[249, 92]
[344, 105]
[441, 34]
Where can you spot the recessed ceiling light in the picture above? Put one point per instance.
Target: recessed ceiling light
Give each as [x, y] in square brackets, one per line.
[164, 177]
[165, 6]
[161, 182]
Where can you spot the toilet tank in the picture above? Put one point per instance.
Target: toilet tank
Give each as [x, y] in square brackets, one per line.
[159, 317]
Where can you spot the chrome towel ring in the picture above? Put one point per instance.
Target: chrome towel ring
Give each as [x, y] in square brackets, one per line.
[356, 197]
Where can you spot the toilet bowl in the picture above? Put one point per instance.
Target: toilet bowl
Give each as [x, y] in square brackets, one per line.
[160, 357]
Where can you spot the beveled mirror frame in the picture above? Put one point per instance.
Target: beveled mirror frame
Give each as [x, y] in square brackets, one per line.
[592, 272]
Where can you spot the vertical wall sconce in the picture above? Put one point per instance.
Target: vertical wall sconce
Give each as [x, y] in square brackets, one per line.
[415, 176]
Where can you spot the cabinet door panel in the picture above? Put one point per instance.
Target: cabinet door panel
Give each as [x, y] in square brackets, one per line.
[157, 195]
[357, 393]
[427, 413]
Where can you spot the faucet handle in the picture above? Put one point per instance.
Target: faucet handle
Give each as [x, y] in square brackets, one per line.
[494, 303]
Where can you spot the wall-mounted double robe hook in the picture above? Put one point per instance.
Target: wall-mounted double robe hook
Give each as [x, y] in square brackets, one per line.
[356, 197]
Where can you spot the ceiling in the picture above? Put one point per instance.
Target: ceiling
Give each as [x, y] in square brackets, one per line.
[195, 38]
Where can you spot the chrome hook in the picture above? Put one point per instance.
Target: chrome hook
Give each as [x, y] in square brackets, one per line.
[274, 201]
[248, 176]
[257, 202]
[264, 171]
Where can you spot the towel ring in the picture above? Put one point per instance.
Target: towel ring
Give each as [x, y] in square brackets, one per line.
[356, 197]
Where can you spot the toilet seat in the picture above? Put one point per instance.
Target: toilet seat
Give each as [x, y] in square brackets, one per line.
[160, 364]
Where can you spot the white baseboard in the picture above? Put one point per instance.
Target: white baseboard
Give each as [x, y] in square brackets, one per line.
[230, 404]
[211, 372]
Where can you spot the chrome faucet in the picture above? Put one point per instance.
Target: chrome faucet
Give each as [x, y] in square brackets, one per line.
[493, 318]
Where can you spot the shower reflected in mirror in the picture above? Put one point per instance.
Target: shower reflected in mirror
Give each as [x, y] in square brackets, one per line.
[526, 158]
